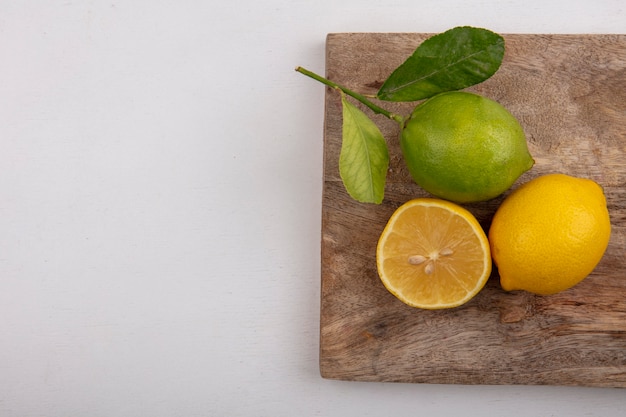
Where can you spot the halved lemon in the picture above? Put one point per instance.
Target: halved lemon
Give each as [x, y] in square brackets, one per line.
[433, 254]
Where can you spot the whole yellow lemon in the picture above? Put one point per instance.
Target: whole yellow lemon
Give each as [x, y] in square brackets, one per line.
[549, 234]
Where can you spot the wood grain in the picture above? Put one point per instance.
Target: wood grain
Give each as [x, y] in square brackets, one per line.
[569, 93]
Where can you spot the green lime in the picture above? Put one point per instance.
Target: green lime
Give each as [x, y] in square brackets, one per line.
[464, 147]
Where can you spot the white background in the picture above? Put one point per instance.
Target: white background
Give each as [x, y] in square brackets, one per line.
[160, 197]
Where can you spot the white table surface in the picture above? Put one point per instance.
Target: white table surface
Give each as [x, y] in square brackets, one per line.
[160, 197]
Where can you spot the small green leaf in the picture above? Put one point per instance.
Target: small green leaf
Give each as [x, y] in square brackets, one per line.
[364, 157]
[453, 60]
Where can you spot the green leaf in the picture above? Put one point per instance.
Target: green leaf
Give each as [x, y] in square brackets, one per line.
[364, 157]
[453, 60]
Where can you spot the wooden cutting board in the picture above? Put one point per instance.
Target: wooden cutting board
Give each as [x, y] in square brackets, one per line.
[569, 93]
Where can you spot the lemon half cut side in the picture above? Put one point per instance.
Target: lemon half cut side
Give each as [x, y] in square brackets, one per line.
[433, 254]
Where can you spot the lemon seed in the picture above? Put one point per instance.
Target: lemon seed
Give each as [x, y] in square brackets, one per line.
[416, 259]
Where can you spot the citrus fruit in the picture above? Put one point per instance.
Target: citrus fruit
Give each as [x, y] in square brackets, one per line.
[464, 147]
[433, 254]
[550, 233]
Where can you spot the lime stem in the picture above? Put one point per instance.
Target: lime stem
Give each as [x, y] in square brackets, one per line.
[376, 109]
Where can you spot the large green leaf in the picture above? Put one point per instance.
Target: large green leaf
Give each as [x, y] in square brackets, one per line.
[453, 60]
[364, 157]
